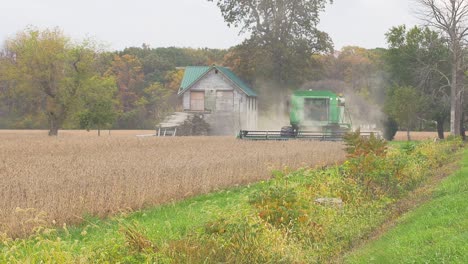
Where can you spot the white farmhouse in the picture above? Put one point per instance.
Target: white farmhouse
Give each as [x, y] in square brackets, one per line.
[224, 101]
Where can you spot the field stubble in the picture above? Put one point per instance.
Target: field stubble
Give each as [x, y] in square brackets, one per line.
[59, 180]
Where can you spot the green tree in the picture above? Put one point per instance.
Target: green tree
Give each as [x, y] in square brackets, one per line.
[173, 79]
[404, 104]
[98, 104]
[283, 36]
[50, 70]
[418, 57]
[156, 102]
[39, 66]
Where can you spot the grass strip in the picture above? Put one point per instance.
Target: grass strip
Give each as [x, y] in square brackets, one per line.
[436, 232]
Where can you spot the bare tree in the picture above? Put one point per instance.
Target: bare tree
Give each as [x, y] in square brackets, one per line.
[450, 17]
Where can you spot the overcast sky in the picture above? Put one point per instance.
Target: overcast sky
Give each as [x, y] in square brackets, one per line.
[189, 23]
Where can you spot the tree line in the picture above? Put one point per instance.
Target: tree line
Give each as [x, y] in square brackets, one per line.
[418, 80]
[49, 81]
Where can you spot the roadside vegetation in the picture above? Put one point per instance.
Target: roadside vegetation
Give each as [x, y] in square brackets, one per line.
[434, 233]
[301, 216]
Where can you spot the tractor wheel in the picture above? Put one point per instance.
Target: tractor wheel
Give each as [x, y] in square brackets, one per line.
[335, 132]
[287, 131]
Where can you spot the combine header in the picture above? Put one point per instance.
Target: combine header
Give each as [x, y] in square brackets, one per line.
[314, 115]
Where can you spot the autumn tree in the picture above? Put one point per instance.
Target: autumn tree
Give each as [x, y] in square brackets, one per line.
[129, 75]
[157, 62]
[362, 70]
[449, 17]
[147, 86]
[173, 79]
[359, 68]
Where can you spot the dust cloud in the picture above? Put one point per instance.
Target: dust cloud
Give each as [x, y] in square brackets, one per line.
[364, 111]
[273, 106]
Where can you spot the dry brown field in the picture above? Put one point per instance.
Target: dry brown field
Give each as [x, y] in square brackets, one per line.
[401, 135]
[60, 179]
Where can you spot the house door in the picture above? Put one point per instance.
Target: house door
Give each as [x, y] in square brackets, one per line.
[224, 101]
[197, 101]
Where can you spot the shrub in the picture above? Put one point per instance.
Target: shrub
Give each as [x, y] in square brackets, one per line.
[239, 240]
[357, 145]
[280, 206]
[384, 172]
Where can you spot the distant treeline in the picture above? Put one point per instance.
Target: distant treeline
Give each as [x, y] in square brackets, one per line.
[45, 78]
[47, 81]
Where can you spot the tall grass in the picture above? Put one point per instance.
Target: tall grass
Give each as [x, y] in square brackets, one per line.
[52, 181]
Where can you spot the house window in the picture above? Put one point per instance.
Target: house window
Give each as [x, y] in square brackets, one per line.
[197, 101]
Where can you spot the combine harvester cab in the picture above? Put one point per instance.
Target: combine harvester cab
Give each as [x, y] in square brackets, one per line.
[314, 115]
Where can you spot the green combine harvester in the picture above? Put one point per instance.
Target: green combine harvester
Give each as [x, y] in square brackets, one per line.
[314, 115]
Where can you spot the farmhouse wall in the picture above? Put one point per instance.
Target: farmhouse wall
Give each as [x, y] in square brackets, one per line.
[186, 101]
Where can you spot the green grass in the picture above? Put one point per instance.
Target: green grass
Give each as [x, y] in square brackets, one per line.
[436, 232]
[402, 143]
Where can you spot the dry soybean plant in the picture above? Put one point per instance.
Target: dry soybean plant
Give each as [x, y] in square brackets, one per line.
[63, 178]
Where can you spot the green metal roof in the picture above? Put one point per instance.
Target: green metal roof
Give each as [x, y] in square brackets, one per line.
[191, 76]
[194, 73]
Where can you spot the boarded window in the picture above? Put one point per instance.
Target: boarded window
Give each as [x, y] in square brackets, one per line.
[224, 101]
[197, 101]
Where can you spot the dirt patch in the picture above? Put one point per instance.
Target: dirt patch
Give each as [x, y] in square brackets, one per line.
[401, 135]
